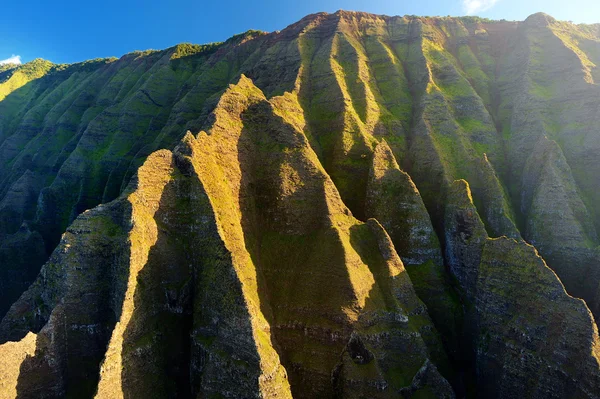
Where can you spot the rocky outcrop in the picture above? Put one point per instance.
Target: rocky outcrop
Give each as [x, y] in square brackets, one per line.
[394, 200]
[529, 337]
[464, 235]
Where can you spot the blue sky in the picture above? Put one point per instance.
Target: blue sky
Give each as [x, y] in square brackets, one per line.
[65, 31]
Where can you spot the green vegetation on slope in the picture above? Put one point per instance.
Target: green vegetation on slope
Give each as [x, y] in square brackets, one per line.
[334, 120]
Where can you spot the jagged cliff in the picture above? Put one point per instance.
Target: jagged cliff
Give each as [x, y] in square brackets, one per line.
[356, 206]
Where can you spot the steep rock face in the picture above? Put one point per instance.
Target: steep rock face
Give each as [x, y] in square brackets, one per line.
[437, 89]
[262, 210]
[147, 277]
[182, 280]
[73, 136]
[559, 340]
[394, 200]
[464, 236]
[530, 338]
[553, 145]
[338, 282]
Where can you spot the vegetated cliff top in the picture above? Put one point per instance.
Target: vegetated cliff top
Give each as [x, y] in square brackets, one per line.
[251, 33]
[178, 51]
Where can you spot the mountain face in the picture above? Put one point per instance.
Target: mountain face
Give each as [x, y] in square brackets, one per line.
[355, 206]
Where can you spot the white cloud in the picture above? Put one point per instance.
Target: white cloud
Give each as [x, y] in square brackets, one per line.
[471, 7]
[14, 59]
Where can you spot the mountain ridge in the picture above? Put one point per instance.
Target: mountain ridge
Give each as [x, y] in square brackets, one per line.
[339, 188]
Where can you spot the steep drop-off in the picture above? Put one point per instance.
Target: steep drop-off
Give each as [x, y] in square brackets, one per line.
[350, 207]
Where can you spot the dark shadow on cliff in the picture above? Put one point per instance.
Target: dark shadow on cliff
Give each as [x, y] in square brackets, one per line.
[444, 346]
[303, 281]
[181, 341]
[20, 257]
[156, 341]
[88, 296]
